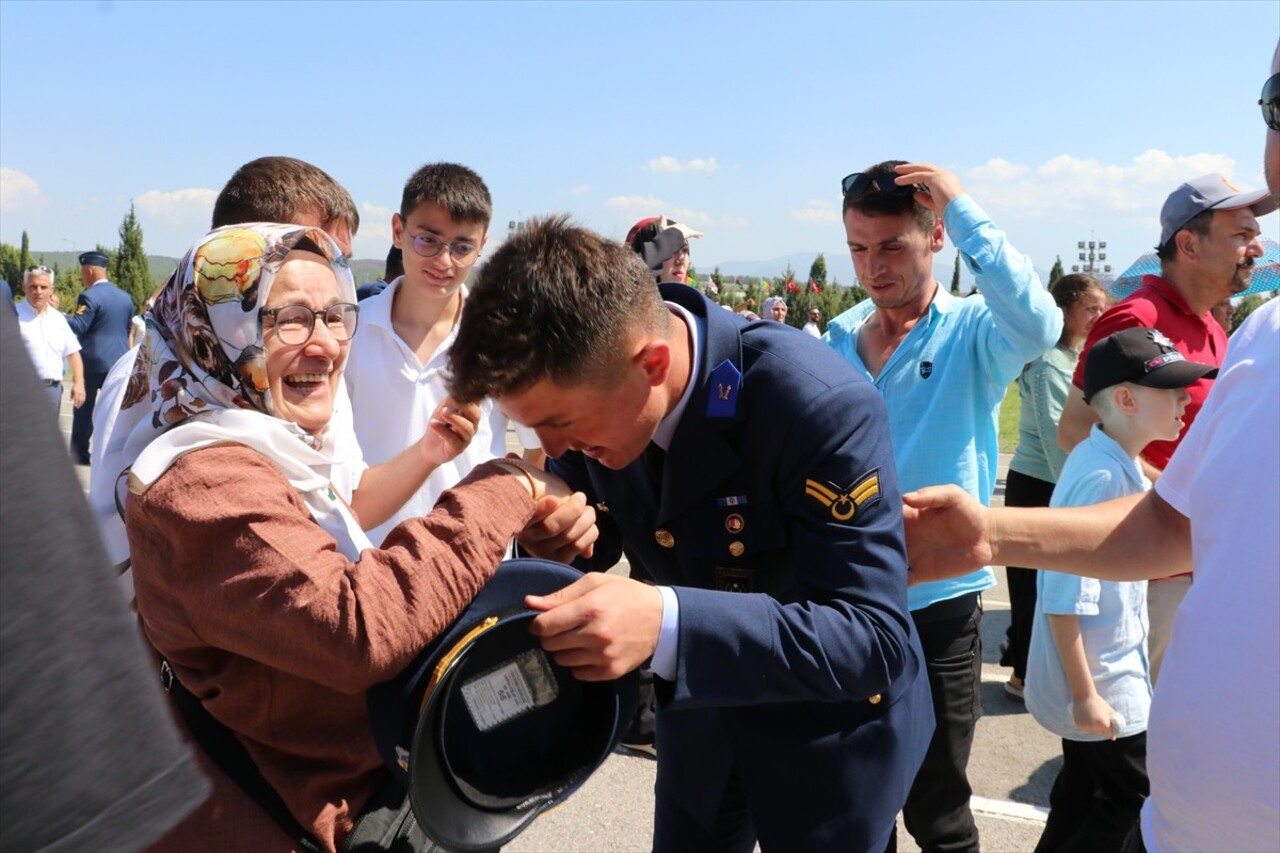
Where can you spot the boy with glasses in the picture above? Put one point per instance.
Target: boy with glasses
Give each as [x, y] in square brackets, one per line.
[395, 371]
[942, 364]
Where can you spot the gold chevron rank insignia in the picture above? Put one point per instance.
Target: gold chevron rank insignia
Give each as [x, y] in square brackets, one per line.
[844, 502]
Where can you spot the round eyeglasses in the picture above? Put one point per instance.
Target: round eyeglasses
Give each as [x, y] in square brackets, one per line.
[294, 324]
[429, 245]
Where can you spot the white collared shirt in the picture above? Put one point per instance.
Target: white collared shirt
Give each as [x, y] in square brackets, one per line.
[48, 338]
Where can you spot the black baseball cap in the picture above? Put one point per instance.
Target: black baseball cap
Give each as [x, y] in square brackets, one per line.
[1141, 356]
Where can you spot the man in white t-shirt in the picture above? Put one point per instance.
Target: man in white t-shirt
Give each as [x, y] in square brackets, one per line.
[811, 327]
[48, 337]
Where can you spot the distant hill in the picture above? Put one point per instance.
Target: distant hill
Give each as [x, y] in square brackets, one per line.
[162, 265]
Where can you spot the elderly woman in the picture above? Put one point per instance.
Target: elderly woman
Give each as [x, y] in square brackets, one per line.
[1037, 462]
[254, 580]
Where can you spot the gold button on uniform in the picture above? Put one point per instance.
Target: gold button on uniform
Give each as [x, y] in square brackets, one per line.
[736, 548]
[665, 539]
[875, 700]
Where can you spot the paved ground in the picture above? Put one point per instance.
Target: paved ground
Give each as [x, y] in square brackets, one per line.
[1013, 764]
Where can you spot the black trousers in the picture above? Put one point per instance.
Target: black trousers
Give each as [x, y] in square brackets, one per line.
[1097, 797]
[82, 418]
[937, 810]
[1022, 490]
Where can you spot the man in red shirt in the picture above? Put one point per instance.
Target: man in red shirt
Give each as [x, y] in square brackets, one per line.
[1209, 239]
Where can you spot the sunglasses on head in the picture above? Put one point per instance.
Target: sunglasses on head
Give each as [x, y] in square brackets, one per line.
[1270, 102]
[40, 268]
[861, 184]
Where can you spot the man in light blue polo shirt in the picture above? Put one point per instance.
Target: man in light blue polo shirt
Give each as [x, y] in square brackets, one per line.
[943, 364]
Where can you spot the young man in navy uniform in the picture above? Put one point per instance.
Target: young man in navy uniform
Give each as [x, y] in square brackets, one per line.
[101, 321]
[750, 470]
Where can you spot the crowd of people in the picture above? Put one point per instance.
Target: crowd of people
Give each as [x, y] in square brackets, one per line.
[307, 485]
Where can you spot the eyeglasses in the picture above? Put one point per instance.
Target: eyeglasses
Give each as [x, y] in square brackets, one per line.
[40, 268]
[1270, 102]
[429, 245]
[295, 323]
[862, 184]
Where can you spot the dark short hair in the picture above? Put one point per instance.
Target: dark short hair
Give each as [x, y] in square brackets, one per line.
[1069, 289]
[457, 189]
[277, 189]
[1200, 224]
[557, 302]
[882, 204]
[394, 267]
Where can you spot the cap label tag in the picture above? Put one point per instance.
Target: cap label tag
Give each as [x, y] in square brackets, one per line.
[510, 689]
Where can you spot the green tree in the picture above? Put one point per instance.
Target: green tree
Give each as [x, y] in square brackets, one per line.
[1057, 272]
[24, 254]
[11, 266]
[1247, 306]
[955, 277]
[130, 270]
[717, 278]
[67, 286]
[818, 271]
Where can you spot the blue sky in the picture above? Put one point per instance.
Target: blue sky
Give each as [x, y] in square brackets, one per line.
[1064, 120]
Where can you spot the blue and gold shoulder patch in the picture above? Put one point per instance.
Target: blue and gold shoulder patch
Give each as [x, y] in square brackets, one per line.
[844, 501]
[80, 309]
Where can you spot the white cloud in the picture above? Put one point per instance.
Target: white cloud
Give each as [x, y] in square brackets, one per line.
[581, 189]
[670, 165]
[1068, 184]
[374, 237]
[691, 217]
[998, 169]
[17, 189]
[814, 213]
[177, 207]
[644, 203]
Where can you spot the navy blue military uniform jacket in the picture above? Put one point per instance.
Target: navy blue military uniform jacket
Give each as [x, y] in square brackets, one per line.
[779, 525]
[101, 322]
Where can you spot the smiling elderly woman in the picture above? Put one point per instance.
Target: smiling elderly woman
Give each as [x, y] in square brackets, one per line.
[253, 579]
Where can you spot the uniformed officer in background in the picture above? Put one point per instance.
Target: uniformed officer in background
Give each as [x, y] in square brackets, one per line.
[750, 470]
[101, 321]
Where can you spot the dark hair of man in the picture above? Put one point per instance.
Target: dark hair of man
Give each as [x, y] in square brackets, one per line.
[1200, 224]
[457, 189]
[395, 265]
[890, 204]
[276, 189]
[556, 302]
[1069, 289]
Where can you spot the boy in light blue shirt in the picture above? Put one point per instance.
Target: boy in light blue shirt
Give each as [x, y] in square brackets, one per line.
[1087, 672]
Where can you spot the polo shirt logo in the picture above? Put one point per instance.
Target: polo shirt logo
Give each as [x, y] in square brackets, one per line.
[926, 369]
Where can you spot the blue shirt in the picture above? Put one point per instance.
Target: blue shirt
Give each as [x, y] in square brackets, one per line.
[1112, 614]
[944, 383]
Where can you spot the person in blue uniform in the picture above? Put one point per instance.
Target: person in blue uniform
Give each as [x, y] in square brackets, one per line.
[751, 471]
[101, 321]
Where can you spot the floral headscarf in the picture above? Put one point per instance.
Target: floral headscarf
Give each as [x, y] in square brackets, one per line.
[201, 379]
[204, 334]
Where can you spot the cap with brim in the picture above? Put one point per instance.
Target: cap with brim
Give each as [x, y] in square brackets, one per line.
[1209, 192]
[93, 259]
[656, 239]
[484, 728]
[1141, 356]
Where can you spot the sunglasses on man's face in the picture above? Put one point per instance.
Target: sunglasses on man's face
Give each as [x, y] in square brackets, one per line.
[861, 184]
[1270, 102]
